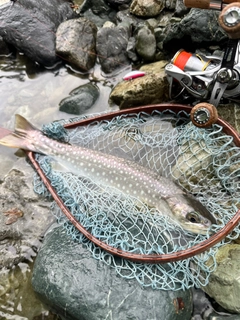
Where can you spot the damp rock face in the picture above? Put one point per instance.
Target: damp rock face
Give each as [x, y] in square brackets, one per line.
[76, 42]
[30, 26]
[224, 282]
[112, 47]
[80, 99]
[20, 234]
[147, 8]
[196, 28]
[149, 89]
[78, 287]
[146, 44]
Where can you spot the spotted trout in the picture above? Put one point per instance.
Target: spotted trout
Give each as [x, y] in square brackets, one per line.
[126, 176]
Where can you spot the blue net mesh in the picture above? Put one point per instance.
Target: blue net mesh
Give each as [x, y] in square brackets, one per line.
[204, 162]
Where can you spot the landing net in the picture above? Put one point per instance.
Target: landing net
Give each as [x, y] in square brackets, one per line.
[205, 162]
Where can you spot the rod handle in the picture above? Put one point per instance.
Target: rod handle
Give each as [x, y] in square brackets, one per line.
[208, 4]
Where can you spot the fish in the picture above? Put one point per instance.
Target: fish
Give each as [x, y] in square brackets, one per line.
[123, 175]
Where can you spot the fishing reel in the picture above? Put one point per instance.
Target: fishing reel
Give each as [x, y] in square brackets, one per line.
[206, 78]
[210, 78]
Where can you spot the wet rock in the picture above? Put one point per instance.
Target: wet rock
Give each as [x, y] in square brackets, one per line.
[76, 42]
[198, 27]
[111, 47]
[146, 43]
[147, 8]
[20, 239]
[152, 88]
[69, 279]
[231, 113]
[131, 49]
[98, 11]
[80, 99]
[4, 47]
[180, 9]
[126, 17]
[119, 2]
[224, 282]
[30, 27]
[18, 300]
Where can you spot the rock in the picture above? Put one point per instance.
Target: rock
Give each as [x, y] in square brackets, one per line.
[231, 113]
[224, 282]
[80, 99]
[150, 89]
[111, 47]
[147, 8]
[197, 28]
[71, 281]
[180, 9]
[30, 27]
[21, 239]
[97, 11]
[76, 42]
[4, 47]
[118, 2]
[18, 300]
[146, 44]
[125, 16]
[131, 49]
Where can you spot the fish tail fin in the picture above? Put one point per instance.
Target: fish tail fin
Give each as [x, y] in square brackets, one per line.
[20, 137]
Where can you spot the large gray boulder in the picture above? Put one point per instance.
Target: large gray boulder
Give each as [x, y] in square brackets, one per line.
[79, 287]
[30, 26]
[197, 28]
[76, 42]
[112, 44]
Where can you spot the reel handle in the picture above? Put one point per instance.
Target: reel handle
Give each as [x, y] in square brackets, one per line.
[208, 4]
[204, 115]
[229, 20]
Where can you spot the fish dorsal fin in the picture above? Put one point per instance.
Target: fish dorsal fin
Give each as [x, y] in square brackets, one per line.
[21, 124]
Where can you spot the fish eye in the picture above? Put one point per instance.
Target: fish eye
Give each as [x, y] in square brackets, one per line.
[193, 217]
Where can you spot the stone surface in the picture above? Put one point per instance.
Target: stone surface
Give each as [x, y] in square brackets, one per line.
[18, 300]
[76, 42]
[111, 47]
[224, 282]
[30, 27]
[198, 28]
[20, 240]
[80, 99]
[231, 113]
[146, 44]
[150, 89]
[80, 287]
[147, 8]
[97, 11]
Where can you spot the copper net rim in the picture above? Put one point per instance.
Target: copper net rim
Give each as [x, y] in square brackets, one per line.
[154, 258]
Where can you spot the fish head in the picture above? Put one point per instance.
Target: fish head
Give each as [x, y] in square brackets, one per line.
[191, 214]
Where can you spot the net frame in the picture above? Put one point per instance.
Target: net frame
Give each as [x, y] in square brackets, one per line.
[141, 258]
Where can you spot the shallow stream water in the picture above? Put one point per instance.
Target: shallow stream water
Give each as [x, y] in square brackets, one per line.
[35, 93]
